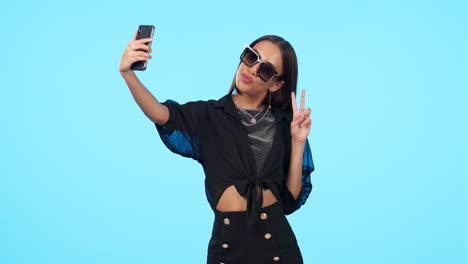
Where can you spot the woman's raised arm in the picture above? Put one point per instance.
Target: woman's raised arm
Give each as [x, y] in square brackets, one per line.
[154, 110]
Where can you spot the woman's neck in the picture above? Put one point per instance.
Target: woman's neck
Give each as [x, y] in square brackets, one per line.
[247, 102]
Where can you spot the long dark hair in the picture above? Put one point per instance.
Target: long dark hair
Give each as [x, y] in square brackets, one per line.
[282, 97]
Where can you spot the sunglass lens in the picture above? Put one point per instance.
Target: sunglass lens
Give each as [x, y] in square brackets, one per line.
[266, 71]
[248, 57]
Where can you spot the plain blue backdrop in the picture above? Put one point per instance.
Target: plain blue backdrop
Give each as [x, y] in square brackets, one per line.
[86, 179]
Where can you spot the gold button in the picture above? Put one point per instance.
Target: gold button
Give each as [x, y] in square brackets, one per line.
[227, 221]
[225, 245]
[276, 258]
[263, 216]
[267, 236]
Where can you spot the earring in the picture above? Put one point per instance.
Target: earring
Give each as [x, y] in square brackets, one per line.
[269, 102]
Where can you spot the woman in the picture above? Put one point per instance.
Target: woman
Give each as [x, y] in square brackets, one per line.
[252, 144]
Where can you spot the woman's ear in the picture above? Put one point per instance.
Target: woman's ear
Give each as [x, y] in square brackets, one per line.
[276, 86]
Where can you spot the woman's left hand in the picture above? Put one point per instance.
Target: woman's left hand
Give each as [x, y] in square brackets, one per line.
[300, 125]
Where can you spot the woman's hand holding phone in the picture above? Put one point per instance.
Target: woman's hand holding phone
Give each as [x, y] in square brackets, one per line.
[137, 50]
[137, 54]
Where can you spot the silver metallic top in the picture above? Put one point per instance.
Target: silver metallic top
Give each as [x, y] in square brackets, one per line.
[260, 133]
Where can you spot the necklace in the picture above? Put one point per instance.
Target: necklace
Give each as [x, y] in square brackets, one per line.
[253, 119]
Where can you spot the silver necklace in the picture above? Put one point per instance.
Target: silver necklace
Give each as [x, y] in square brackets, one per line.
[253, 119]
[266, 112]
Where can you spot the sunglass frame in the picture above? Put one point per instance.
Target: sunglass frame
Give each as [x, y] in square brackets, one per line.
[259, 60]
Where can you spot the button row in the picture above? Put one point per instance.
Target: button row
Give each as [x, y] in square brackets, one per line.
[263, 216]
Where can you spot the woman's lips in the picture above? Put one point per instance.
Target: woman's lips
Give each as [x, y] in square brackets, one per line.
[247, 79]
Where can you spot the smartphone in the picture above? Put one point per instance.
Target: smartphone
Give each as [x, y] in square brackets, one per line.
[144, 31]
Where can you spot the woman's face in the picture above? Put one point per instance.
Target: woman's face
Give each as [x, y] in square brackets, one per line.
[247, 80]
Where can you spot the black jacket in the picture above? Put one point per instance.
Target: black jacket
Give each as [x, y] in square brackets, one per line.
[212, 133]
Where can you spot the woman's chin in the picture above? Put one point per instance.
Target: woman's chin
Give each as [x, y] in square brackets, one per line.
[247, 89]
[241, 87]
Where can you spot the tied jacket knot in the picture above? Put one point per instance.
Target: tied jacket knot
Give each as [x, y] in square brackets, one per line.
[252, 189]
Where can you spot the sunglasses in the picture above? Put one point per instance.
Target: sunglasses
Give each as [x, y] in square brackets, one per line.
[266, 71]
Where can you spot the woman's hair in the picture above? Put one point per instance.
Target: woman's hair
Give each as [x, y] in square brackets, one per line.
[282, 97]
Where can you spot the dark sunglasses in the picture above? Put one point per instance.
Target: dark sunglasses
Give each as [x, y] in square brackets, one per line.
[265, 71]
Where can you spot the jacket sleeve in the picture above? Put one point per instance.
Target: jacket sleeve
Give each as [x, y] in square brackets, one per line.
[290, 204]
[182, 131]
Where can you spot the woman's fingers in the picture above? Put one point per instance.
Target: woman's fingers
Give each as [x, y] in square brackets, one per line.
[140, 54]
[293, 102]
[302, 118]
[139, 46]
[301, 122]
[137, 50]
[307, 122]
[302, 100]
[144, 40]
[301, 103]
[298, 119]
[139, 58]
[132, 57]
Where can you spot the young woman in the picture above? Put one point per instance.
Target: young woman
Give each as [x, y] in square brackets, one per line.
[252, 144]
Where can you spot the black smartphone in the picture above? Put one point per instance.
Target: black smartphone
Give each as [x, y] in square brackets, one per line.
[144, 31]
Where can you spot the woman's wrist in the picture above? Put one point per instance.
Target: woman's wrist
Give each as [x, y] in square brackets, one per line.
[297, 149]
[127, 73]
[297, 143]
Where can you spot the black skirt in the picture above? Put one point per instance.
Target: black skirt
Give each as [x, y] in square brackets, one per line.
[269, 240]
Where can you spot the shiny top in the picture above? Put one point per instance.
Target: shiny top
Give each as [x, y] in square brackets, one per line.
[211, 132]
[260, 133]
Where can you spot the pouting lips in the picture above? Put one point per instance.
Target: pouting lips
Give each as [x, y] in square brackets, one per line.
[247, 79]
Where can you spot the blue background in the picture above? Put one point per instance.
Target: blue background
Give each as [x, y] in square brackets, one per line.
[86, 179]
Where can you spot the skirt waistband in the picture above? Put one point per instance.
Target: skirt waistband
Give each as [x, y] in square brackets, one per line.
[273, 210]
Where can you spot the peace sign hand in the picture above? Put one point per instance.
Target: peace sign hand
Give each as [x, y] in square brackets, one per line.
[300, 125]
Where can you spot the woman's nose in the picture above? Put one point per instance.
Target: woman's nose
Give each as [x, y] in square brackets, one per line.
[253, 69]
